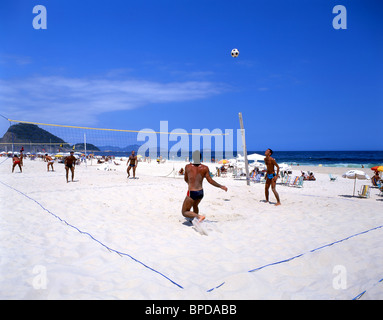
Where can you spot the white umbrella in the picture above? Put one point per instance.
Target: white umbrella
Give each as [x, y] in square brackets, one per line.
[355, 174]
[284, 167]
[256, 157]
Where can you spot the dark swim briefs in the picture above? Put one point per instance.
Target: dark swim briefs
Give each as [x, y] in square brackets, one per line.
[270, 176]
[195, 195]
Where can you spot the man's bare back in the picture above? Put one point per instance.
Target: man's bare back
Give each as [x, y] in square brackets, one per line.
[194, 176]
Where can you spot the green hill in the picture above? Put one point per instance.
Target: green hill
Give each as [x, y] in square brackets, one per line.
[29, 133]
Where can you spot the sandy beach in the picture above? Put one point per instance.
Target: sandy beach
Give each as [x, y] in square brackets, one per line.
[321, 243]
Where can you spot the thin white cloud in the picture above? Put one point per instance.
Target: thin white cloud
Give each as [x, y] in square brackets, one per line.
[14, 59]
[81, 100]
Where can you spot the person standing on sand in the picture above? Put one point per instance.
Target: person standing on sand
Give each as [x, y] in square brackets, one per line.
[50, 161]
[271, 177]
[132, 163]
[21, 157]
[16, 161]
[70, 163]
[194, 174]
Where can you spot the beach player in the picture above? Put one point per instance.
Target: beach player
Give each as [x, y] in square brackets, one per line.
[271, 177]
[21, 157]
[70, 163]
[16, 162]
[132, 163]
[194, 174]
[50, 161]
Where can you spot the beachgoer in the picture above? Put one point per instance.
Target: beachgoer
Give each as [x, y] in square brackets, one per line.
[194, 174]
[21, 157]
[375, 179]
[132, 163]
[70, 163]
[311, 176]
[271, 177]
[50, 161]
[16, 162]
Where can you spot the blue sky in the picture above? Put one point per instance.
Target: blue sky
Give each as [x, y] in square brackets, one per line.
[300, 84]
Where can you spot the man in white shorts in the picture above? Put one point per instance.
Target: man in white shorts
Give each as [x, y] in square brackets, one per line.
[50, 161]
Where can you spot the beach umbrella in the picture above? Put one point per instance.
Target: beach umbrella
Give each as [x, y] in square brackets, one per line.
[355, 174]
[377, 168]
[256, 157]
[223, 161]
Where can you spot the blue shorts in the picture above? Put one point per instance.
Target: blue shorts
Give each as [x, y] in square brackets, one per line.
[270, 176]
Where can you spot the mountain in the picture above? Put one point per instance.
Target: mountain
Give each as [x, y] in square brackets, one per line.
[89, 147]
[29, 133]
[130, 148]
[35, 139]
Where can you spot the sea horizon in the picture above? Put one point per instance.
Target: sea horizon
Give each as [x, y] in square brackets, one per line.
[348, 159]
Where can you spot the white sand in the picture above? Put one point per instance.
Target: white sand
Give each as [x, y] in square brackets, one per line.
[43, 258]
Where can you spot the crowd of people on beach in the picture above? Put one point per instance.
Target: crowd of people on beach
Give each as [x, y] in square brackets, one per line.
[194, 174]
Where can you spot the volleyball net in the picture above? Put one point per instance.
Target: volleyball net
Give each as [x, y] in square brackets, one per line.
[35, 137]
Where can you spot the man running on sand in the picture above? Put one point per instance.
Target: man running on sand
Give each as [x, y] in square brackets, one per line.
[70, 163]
[271, 177]
[194, 174]
[132, 163]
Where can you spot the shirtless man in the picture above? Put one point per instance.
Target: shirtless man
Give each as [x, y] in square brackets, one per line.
[21, 157]
[271, 177]
[16, 161]
[50, 161]
[70, 163]
[194, 174]
[132, 163]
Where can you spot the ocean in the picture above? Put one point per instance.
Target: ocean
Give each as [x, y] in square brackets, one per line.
[347, 159]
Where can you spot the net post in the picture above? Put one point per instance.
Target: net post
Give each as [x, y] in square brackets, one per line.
[244, 148]
[86, 165]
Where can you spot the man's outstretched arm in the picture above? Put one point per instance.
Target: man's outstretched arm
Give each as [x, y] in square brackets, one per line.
[214, 183]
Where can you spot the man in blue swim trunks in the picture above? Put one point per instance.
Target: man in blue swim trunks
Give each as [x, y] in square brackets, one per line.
[194, 174]
[132, 163]
[271, 177]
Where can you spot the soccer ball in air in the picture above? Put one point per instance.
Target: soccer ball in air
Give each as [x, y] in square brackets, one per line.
[234, 53]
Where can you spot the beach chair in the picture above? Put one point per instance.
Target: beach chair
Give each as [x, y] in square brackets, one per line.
[298, 182]
[293, 182]
[332, 178]
[364, 191]
[286, 181]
